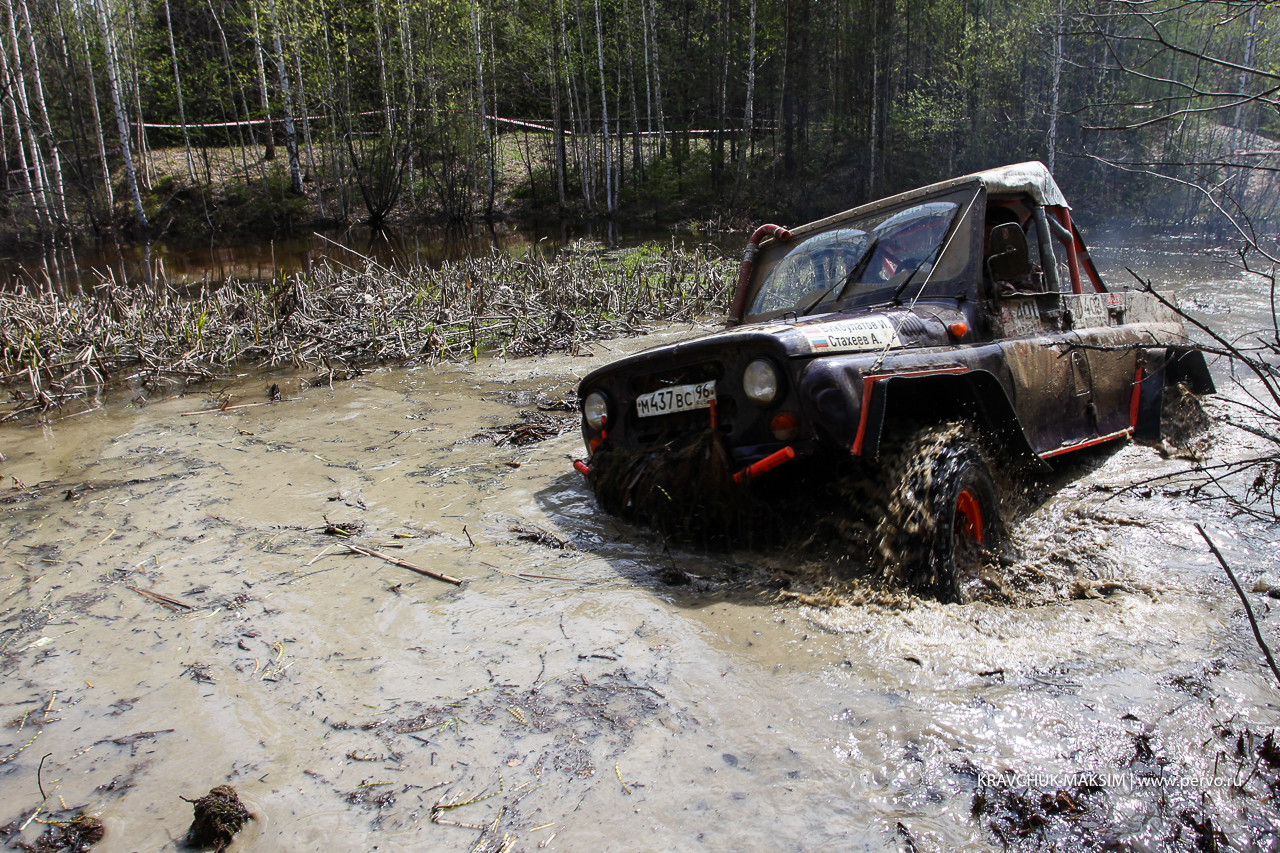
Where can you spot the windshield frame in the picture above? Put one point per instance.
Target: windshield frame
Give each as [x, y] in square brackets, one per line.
[952, 255]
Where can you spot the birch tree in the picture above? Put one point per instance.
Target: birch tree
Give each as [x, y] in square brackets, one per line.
[264, 99]
[604, 111]
[286, 96]
[177, 89]
[117, 103]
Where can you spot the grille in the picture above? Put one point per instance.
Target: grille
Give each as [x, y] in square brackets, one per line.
[687, 375]
[663, 428]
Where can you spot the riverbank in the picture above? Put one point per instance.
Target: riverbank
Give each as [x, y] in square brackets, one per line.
[62, 350]
[238, 192]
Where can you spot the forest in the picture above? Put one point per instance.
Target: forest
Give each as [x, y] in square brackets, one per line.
[142, 118]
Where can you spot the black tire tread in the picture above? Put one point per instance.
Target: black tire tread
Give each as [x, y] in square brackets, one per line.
[910, 551]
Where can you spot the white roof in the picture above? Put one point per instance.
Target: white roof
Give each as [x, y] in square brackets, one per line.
[1031, 177]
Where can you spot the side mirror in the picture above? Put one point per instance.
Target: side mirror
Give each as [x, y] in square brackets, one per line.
[1009, 257]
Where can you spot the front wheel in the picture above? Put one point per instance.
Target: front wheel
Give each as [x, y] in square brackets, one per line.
[942, 521]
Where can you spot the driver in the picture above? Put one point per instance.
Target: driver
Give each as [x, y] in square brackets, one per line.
[906, 249]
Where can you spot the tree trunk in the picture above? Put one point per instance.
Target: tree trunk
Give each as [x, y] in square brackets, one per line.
[586, 134]
[484, 114]
[1240, 181]
[286, 97]
[657, 79]
[410, 89]
[243, 107]
[59, 200]
[382, 65]
[749, 113]
[553, 54]
[637, 163]
[263, 100]
[177, 88]
[122, 124]
[306, 128]
[1052, 141]
[30, 178]
[339, 180]
[722, 107]
[97, 120]
[604, 107]
[144, 149]
[33, 166]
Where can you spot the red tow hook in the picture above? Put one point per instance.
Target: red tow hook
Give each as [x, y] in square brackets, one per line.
[773, 460]
[583, 467]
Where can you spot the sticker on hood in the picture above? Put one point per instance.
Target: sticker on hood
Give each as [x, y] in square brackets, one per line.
[867, 333]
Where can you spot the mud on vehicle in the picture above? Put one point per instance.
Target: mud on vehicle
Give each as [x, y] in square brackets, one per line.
[919, 339]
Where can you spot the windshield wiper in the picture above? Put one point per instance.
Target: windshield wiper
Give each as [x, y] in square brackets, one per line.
[929, 259]
[897, 291]
[853, 273]
[818, 301]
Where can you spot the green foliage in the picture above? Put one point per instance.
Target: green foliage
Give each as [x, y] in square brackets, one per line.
[265, 205]
[850, 99]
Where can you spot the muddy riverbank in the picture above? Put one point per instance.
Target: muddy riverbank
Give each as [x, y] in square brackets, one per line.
[62, 351]
[178, 615]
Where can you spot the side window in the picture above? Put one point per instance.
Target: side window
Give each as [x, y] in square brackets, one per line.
[955, 258]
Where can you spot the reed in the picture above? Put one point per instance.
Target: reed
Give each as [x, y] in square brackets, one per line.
[57, 348]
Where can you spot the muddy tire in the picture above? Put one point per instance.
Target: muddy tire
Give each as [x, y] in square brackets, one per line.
[942, 522]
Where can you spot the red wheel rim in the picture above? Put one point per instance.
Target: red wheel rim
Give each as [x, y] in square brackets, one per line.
[969, 515]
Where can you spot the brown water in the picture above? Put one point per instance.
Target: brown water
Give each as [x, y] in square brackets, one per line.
[568, 698]
[191, 262]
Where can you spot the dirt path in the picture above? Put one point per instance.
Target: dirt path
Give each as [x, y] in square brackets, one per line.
[174, 616]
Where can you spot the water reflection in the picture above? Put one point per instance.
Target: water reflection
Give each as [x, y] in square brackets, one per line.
[192, 262]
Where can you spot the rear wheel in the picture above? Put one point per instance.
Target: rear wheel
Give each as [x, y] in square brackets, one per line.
[942, 522]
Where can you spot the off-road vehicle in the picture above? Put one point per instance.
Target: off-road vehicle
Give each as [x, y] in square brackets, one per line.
[922, 337]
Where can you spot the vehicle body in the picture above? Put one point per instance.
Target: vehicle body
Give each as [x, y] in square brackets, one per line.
[913, 321]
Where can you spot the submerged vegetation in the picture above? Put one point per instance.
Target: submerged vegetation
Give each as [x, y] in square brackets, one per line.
[57, 349]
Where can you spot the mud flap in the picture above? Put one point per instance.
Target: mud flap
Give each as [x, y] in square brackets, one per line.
[1188, 366]
[1165, 367]
[1146, 427]
[874, 402]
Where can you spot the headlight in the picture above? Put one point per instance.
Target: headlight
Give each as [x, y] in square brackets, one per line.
[595, 409]
[760, 382]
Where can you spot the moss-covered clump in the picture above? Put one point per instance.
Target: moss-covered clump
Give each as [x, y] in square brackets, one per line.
[219, 815]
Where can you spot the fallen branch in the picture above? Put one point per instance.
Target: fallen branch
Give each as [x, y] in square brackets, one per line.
[229, 408]
[404, 564]
[501, 572]
[171, 603]
[1248, 610]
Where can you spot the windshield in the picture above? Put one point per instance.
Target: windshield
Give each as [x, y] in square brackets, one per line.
[870, 257]
[811, 270]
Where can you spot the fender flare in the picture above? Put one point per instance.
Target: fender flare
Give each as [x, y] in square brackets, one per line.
[976, 395]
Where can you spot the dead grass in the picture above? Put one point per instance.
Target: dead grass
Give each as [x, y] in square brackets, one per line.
[56, 349]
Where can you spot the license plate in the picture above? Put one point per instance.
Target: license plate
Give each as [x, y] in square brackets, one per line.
[678, 398]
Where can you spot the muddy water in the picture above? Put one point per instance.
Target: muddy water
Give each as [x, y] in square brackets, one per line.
[190, 263]
[566, 697]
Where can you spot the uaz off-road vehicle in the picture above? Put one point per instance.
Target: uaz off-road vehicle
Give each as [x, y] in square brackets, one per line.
[919, 337]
